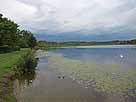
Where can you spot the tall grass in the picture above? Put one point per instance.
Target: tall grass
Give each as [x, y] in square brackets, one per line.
[8, 60]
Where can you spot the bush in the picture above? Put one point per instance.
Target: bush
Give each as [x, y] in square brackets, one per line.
[16, 48]
[6, 49]
[27, 63]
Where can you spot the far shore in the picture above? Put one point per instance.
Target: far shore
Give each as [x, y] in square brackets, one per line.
[100, 46]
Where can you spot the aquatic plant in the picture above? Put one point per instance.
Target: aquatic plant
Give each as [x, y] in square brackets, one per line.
[110, 78]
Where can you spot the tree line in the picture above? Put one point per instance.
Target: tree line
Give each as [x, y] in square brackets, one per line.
[47, 45]
[12, 38]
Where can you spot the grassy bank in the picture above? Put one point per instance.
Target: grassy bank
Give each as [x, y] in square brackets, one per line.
[8, 62]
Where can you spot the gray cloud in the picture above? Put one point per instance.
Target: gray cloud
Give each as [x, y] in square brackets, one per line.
[58, 16]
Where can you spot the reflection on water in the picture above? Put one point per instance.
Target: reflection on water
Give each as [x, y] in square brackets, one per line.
[22, 81]
[24, 77]
[46, 84]
[104, 55]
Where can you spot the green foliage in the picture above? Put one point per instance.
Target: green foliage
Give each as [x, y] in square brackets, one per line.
[8, 29]
[27, 62]
[11, 38]
[14, 63]
[4, 49]
[27, 39]
[8, 60]
[10, 99]
[133, 41]
[47, 45]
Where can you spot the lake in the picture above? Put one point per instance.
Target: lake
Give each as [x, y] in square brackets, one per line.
[81, 74]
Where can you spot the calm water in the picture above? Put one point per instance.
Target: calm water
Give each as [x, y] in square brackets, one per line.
[45, 86]
[104, 55]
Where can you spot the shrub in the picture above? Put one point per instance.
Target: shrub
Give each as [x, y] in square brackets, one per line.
[6, 48]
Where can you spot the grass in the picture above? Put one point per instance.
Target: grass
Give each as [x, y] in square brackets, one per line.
[7, 63]
[8, 60]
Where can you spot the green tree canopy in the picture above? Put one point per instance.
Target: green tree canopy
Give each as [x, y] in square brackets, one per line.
[8, 32]
[11, 36]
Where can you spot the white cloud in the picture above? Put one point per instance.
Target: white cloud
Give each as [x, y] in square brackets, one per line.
[70, 15]
[16, 10]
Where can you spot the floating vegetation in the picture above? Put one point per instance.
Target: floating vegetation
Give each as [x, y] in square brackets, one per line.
[109, 78]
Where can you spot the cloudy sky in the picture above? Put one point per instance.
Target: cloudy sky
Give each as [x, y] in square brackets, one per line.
[63, 20]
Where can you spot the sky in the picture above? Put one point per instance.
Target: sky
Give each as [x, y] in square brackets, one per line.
[74, 20]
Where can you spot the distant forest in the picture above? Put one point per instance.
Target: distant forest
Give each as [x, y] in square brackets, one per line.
[12, 38]
[46, 44]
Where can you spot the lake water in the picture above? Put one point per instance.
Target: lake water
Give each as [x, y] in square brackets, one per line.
[125, 55]
[49, 84]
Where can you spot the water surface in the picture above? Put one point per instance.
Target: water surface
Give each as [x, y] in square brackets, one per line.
[48, 84]
[102, 54]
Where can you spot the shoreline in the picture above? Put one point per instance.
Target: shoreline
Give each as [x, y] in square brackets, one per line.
[99, 46]
[7, 80]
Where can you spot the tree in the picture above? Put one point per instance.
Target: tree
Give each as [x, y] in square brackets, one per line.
[12, 38]
[8, 29]
[27, 39]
